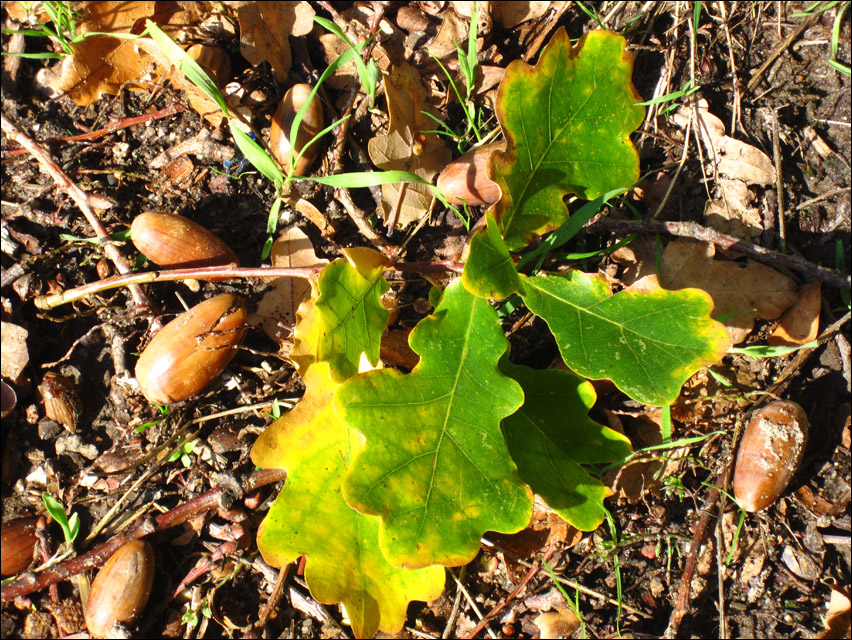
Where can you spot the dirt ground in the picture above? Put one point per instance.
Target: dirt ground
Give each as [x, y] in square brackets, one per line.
[762, 70]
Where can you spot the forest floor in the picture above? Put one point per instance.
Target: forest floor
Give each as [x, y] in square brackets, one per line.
[672, 561]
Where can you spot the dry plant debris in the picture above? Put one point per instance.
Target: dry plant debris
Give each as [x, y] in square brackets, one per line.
[625, 514]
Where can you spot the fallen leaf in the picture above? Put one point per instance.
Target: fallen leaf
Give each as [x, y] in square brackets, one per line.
[511, 14]
[838, 618]
[560, 623]
[407, 146]
[16, 355]
[277, 310]
[736, 165]
[800, 323]
[103, 64]
[736, 287]
[265, 28]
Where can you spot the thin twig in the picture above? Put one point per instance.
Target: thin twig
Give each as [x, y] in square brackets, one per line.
[700, 534]
[82, 201]
[706, 234]
[505, 602]
[215, 273]
[116, 126]
[779, 182]
[473, 606]
[807, 22]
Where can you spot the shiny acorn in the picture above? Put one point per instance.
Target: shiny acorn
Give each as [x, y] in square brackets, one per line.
[192, 350]
[466, 179]
[61, 402]
[175, 242]
[121, 589]
[17, 541]
[770, 453]
[312, 124]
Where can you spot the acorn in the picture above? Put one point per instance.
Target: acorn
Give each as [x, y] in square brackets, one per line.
[17, 541]
[61, 402]
[192, 350]
[312, 124]
[466, 179]
[770, 452]
[175, 242]
[214, 60]
[121, 589]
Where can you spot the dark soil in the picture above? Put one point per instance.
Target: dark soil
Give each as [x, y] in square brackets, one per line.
[778, 581]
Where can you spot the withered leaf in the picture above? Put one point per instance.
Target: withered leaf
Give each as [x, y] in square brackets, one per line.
[407, 146]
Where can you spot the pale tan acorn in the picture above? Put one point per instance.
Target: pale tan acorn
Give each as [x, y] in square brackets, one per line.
[121, 589]
[192, 350]
[466, 179]
[61, 402]
[312, 124]
[17, 541]
[214, 60]
[175, 242]
[770, 453]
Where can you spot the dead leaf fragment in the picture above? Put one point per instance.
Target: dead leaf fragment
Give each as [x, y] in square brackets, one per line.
[511, 14]
[16, 356]
[838, 618]
[560, 623]
[750, 289]
[800, 323]
[265, 28]
[736, 165]
[276, 312]
[406, 146]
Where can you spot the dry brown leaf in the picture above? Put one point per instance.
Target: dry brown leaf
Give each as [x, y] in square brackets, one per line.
[560, 623]
[510, 14]
[734, 286]
[407, 147]
[800, 323]
[103, 64]
[16, 355]
[265, 28]
[276, 312]
[736, 165]
[454, 29]
[838, 618]
[395, 349]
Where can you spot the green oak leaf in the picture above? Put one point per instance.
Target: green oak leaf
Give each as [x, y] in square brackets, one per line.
[350, 315]
[489, 271]
[435, 467]
[567, 123]
[551, 436]
[648, 343]
[310, 517]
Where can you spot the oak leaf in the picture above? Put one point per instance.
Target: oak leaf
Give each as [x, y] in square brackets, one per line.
[436, 468]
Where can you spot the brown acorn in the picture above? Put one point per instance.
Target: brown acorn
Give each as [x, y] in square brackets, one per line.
[770, 452]
[121, 589]
[312, 124]
[192, 350]
[214, 60]
[466, 179]
[61, 402]
[17, 541]
[175, 242]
